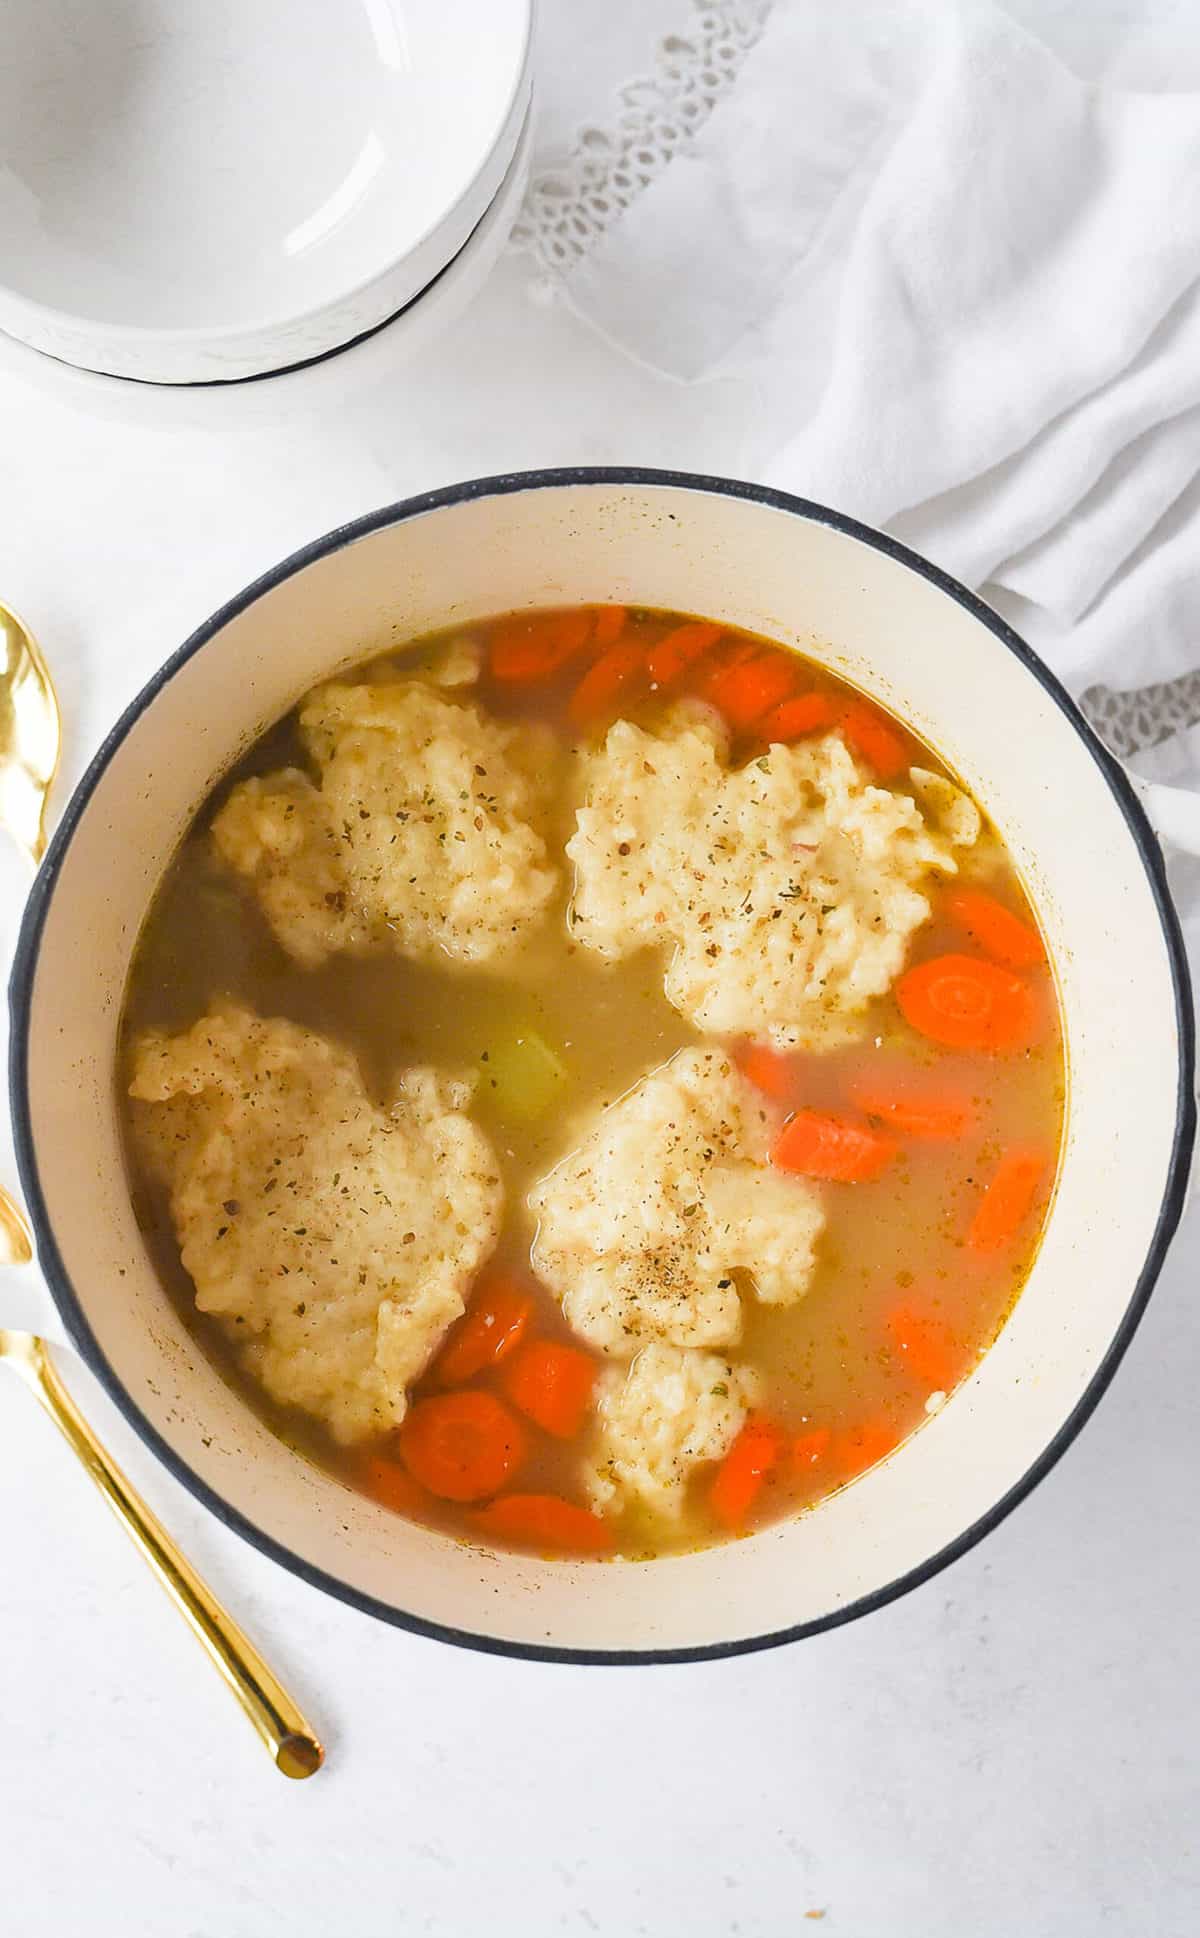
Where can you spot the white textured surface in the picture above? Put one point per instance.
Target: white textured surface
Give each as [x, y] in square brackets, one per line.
[1010, 1750]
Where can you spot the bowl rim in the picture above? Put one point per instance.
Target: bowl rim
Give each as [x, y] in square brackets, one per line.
[25, 963]
[230, 333]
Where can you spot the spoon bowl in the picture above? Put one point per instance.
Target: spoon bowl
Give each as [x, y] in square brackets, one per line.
[30, 736]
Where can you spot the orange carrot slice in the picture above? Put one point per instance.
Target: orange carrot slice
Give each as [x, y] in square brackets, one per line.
[996, 929]
[680, 648]
[745, 690]
[938, 1116]
[807, 713]
[610, 624]
[462, 1446]
[775, 1075]
[1007, 1200]
[606, 683]
[864, 1446]
[815, 1144]
[493, 1328]
[534, 646]
[810, 1447]
[966, 1003]
[710, 673]
[552, 1384]
[739, 1478]
[872, 736]
[925, 1344]
[387, 1482]
[545, 1522]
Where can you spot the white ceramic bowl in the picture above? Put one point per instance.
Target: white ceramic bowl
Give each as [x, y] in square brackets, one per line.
[327, 384]
[904, 633]
[206, 192]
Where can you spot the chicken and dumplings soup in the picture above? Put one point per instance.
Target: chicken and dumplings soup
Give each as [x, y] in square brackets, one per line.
[593, 1081]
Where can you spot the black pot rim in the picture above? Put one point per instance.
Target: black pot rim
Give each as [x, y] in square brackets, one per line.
[26, 962]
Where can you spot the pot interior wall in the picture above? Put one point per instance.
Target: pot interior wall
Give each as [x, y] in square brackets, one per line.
[898, 635]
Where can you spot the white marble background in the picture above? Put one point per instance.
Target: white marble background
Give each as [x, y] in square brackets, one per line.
[1010, 1752]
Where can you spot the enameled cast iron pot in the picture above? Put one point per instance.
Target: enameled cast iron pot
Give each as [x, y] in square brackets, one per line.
[904, 633]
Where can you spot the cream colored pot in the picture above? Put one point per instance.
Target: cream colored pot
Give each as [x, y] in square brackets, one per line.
[902, 632]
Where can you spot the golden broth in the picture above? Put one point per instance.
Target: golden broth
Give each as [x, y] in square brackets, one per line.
[843, 1380]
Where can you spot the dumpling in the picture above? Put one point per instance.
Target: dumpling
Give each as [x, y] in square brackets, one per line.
[421, 836]
[334, 1239]
[782, 894]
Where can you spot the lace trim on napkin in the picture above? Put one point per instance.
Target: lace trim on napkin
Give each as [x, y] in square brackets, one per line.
[572, 201]
[1145, 715]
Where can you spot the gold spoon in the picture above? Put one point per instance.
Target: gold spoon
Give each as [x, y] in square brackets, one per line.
[30, 738]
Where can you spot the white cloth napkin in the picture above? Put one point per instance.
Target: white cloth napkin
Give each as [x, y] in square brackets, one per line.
[964, 282]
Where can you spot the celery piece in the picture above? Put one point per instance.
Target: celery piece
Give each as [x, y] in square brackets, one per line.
[522, 1075]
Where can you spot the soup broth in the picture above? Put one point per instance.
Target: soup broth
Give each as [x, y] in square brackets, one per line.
[923, 1133]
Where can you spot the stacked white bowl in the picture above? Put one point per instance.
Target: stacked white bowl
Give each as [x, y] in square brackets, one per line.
[202, 192]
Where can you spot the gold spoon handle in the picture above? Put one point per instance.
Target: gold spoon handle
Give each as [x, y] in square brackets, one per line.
[295, 1749]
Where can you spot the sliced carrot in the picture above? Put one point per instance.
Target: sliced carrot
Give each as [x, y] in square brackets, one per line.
[462, 1446]
[925, 1344]
[872, 735]
[545, 1522]
[864, 1446]
[968, 1004]
[605, 683]
[807, 713]
[740, 1477]
[1008, 1199]
[775, 1075]
[534, 646]
[499, 1317]
[816, 1144]
[552, 1384]
[935, 1115]
[996, 929]
[610, 624]
[747, 689]
[679, 649]
[808, 1448]
[710, 674]
[387, 1482]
